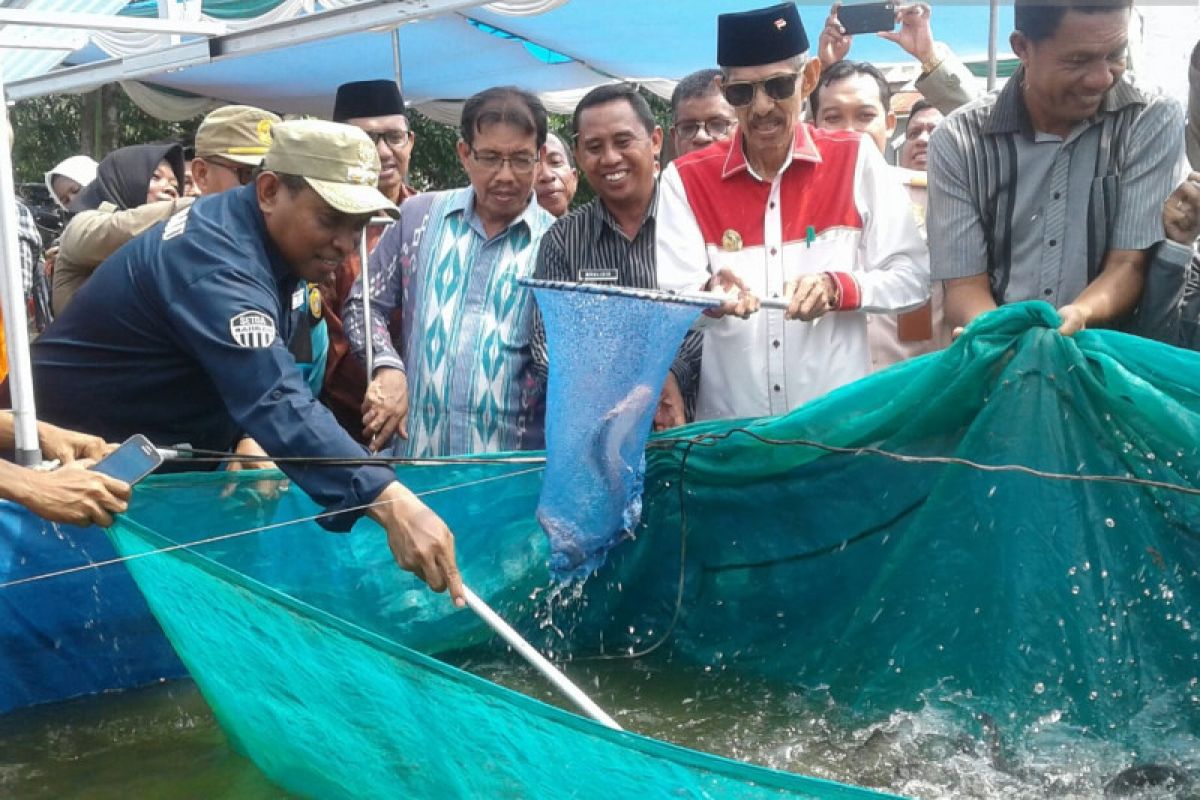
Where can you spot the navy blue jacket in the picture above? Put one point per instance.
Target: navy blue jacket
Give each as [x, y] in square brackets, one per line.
[182, 335]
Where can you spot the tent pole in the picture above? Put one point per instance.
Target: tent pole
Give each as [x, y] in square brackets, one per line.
[16, 326]
[364, 271]
[396, 64]
[993, 25]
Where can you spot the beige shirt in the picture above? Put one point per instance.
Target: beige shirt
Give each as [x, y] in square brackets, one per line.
[92, 236]
[892, 338]
[950, 85]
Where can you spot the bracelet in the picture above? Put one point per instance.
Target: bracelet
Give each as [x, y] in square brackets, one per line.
[939, 56]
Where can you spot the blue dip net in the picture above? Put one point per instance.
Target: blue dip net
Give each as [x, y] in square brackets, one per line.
[609, 355]
[1007, 529]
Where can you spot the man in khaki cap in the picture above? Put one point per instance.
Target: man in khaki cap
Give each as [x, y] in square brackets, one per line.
[230, 143]
[182, 336]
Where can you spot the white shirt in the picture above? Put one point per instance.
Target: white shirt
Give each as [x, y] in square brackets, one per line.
[834, 207]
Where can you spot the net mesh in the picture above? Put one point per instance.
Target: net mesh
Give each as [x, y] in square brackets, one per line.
[604, 385]
[888, 577]
[310, 649]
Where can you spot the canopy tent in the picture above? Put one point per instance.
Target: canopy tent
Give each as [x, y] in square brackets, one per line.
[23, 51]
[39, 33]
[450, 50]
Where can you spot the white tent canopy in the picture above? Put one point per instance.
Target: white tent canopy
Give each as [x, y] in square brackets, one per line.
[448, 50]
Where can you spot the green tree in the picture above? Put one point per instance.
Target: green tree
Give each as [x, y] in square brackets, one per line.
[49, 129]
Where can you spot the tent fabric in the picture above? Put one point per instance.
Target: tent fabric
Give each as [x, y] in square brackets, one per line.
[981, 536]
[604, 40]
[168, 106]
[16, 64]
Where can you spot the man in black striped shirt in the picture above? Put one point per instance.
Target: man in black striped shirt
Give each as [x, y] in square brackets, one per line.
[610, 240]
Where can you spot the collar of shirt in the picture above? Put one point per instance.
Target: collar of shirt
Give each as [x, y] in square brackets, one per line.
[802, 148]
[607, 221]
[462, 201]
[1009, 114]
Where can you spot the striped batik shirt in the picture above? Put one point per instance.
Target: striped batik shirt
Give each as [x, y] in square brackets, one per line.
[465, 324]
[1038, 213]
[588, 246]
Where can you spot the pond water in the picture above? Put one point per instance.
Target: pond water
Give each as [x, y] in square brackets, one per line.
[163, 742]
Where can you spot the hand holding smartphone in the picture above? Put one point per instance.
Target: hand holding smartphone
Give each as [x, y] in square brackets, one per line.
[867, 18]
[133, 460]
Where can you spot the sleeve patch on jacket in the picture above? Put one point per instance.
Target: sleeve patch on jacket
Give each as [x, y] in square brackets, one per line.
[252, 329]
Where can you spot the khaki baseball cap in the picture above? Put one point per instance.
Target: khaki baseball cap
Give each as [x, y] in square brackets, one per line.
[241, 134]
[340, 163]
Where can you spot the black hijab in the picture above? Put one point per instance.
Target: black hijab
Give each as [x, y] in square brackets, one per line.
[123, 177]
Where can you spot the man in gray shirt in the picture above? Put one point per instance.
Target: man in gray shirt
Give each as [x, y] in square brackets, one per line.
[1052, 189]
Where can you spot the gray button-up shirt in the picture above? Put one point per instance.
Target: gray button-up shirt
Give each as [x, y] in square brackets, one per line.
[1038, 212]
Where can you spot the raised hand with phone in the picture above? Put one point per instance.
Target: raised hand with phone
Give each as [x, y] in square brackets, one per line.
[915, 36]
[945, 81]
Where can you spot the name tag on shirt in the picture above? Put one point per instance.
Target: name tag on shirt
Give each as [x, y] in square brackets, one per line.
[597, 275]
[299, 298]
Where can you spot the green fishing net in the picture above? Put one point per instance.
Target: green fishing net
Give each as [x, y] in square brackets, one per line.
[1008, 528]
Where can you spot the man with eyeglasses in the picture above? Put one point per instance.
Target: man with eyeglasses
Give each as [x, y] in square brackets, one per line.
[230, 143]
[449, 267]
[783, 210]
[377, 108]
[699, 113]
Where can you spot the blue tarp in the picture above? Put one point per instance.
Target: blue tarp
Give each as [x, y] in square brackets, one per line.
[75, 634]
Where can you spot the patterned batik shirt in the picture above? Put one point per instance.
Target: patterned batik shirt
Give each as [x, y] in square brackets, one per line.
[465, 325]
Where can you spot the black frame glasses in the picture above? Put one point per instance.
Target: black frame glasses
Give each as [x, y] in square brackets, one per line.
[520, 163]
[715, 127]
[393, 138]
[776, 87]
[244, 173]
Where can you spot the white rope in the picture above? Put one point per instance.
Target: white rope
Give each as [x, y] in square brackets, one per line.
[248, 531]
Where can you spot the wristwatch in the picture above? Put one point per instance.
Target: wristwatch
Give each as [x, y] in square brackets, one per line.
[935, 60]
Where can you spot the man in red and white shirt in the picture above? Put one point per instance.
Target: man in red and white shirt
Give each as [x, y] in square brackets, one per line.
[783, 210]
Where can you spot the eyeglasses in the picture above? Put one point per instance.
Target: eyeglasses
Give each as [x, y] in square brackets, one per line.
[777, 87]
[393, 138]
[521, 163]
[244, 173]
[716, 128]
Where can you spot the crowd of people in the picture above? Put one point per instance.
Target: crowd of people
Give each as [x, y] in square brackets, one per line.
[219, 301]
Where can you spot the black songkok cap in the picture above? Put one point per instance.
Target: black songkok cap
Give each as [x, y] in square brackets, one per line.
[761, 36]
[367, 99]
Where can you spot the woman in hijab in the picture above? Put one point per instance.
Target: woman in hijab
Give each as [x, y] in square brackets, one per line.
[69, 177]
[135, 187]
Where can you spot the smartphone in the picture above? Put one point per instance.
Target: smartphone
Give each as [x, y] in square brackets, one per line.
[867, 17]
[132, 461]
